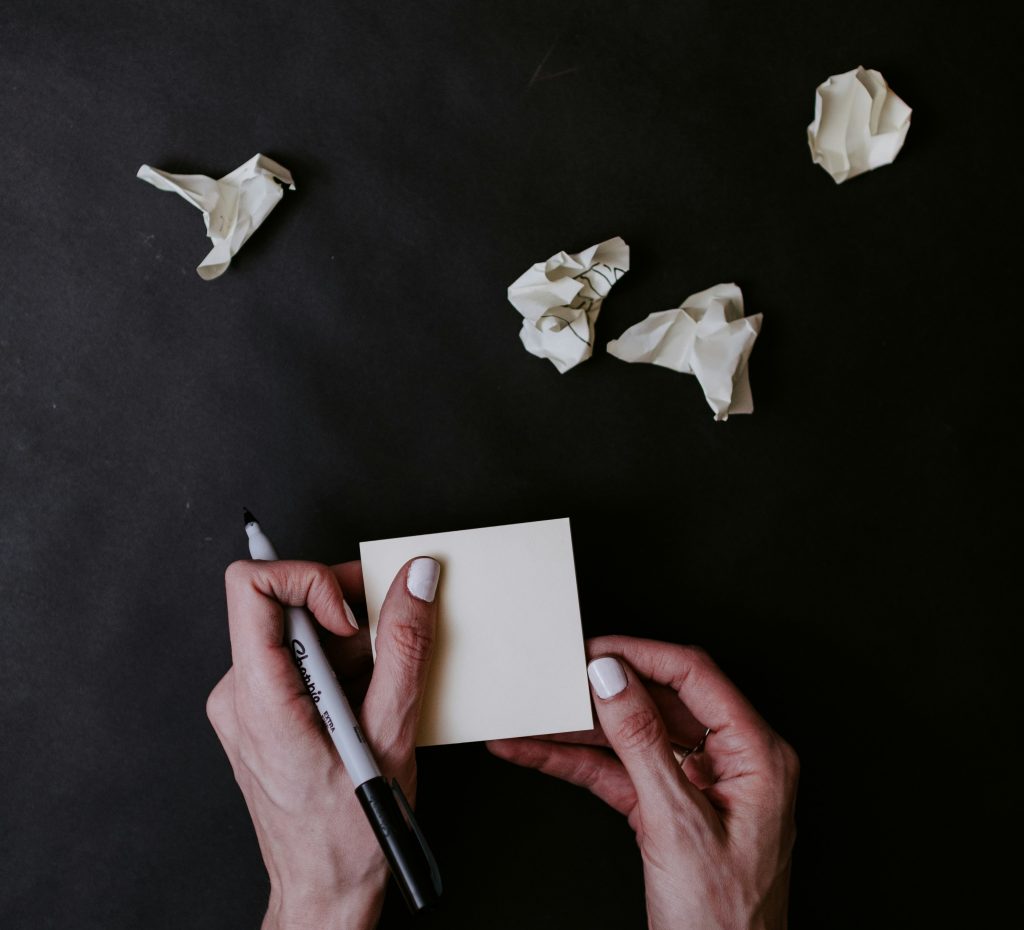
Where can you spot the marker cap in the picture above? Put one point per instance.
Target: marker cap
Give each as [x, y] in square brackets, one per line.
[411, 861]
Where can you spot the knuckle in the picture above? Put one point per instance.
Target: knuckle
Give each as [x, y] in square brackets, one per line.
[639, 729]
[685, 664]
[321, 584]
[782, 762]
[237, 573]
[413, 643]
[583, 773]
[217, 704]
[790, 762]
[763, 745]
[213, 708]
[698, 656]
[322, 575]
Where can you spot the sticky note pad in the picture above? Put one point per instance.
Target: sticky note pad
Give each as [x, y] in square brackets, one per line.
[508, 658]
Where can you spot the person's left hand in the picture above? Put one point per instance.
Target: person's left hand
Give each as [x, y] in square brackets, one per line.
[325, 866]
[708, 787]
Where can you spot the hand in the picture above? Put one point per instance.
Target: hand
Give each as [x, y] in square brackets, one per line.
[716, 831]
[325, 866]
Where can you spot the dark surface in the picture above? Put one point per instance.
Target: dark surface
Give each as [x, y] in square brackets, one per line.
[846, 552]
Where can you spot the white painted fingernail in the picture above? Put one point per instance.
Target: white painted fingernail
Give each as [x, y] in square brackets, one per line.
[607, 677]
[421, 579]
[351, 617]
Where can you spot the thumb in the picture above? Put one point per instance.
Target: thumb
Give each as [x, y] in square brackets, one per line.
[635, 730]
[405, 641]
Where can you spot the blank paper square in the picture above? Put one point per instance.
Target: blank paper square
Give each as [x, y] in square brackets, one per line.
[509, 659]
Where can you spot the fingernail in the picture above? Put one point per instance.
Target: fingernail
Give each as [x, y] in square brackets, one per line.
[421, 579]
[351, 617]
[607, 677]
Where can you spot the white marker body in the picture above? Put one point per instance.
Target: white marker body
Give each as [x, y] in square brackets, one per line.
[304, 644]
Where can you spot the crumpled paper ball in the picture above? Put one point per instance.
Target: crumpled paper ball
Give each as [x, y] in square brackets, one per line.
[859, 124]
[706, 336]
[560, 299]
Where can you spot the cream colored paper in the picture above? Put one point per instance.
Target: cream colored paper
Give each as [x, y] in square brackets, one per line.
[233, 207]
[707, 336]
[859, 124]
[508, 659]
[560, 299]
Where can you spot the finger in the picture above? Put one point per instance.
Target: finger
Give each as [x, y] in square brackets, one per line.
[700, 769]
[636, 732]
[697, 766]
[591, 768]
[690, 672]
[350, 577]
[351, 658]
[256, 592]
[405, 640]
[684, 730]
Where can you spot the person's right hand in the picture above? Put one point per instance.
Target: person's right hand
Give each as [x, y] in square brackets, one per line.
[715, 832]
[326, 868]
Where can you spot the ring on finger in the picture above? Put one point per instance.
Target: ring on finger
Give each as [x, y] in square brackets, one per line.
[682, 752]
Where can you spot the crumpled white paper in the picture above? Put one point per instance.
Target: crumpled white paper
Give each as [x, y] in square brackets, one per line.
[708, 336]
[560, 299]
[233, 207]
[859, 124]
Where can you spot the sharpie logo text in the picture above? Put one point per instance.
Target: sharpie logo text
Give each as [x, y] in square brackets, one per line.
[299, 651]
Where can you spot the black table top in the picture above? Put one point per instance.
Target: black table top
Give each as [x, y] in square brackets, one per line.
[845, 552]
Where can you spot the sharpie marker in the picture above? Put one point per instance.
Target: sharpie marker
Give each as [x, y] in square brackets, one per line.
[383, 802]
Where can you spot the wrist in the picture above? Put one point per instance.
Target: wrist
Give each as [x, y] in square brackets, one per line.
[355, 912]
[327, 891]
[355, 908]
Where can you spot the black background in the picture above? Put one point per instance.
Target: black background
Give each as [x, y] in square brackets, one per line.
[846, 552]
